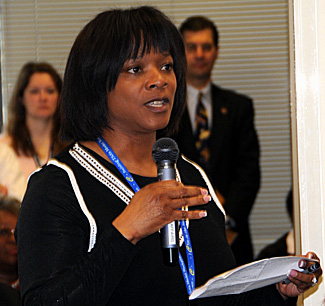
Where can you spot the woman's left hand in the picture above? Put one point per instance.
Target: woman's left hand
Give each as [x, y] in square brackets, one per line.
[300, 282]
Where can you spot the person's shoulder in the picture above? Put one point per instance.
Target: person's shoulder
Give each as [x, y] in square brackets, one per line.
[47, 176]
[50, 184]
[51, 173]
[5, 139]
[7, 154]
[230, 95]
[5, 149]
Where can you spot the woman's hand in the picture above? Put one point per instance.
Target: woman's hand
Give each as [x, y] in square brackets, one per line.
[300, 282]
[158, 204]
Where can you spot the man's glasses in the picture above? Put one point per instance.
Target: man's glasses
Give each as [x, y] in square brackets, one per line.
[6, 232]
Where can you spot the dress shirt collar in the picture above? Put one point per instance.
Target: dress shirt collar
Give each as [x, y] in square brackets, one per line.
[192, 98]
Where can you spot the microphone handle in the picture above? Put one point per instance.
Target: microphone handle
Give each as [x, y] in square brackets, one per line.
[170, 252]
[170, 232]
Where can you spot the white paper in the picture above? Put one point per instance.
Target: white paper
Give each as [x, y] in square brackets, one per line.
[250, 276]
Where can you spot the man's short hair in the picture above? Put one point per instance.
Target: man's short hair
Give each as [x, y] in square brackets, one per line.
[199, 23]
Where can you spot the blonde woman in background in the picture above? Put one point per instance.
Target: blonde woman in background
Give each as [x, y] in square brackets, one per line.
[33, 122]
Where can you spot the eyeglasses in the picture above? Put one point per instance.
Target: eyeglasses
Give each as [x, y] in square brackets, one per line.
[6, 232]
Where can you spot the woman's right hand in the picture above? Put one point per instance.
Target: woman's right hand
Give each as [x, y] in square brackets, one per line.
[158, 204]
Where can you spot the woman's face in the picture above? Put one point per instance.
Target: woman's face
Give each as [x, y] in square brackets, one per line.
[8, 246]
[143, 97]
[41, 96]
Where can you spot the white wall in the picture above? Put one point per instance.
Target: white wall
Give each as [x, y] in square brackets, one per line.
[307, 22]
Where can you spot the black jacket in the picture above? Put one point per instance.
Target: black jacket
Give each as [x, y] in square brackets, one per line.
[234, 162]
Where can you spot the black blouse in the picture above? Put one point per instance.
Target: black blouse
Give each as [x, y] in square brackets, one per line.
[70, 254]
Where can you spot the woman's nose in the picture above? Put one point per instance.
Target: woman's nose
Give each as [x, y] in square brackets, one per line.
[43, 95]
[157, 80]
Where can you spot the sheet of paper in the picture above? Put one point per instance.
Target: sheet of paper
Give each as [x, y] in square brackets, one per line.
[248, 277]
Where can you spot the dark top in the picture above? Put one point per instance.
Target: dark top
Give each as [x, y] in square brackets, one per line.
[234, 162]
[54, 235]
[9, 296]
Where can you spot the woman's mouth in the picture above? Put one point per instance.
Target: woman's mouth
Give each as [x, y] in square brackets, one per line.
[157, 103]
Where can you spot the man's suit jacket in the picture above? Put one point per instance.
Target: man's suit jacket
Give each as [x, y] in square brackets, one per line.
[234, 161]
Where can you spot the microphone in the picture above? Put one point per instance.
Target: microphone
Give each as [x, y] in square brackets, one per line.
[165, 154]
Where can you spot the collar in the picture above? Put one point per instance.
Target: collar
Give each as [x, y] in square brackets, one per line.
[192, 97]
[194, 92]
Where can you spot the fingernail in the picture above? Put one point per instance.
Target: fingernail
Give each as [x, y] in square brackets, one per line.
[310, 255]
[203, 213]
[204, 192]
[293, 273]
[207, 198]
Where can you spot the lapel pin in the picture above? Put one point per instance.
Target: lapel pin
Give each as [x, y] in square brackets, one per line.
[224, 110]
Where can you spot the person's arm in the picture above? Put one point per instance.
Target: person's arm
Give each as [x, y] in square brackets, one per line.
[11, 175]
[53, 237]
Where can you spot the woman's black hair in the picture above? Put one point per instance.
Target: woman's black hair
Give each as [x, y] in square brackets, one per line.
[97, 57]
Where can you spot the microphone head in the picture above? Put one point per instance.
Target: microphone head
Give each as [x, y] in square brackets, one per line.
[165, 149]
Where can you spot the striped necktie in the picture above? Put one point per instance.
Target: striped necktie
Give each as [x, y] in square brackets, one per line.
[202, 133]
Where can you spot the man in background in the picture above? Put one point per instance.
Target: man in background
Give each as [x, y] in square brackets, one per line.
[217, 131]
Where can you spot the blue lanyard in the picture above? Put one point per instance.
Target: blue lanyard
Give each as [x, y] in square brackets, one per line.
[117, 163]
[189, 275]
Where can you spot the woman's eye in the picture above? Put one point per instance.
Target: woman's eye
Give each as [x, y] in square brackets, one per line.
[50, 90]
[134, 69]
[168, 67]
[34, 91]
